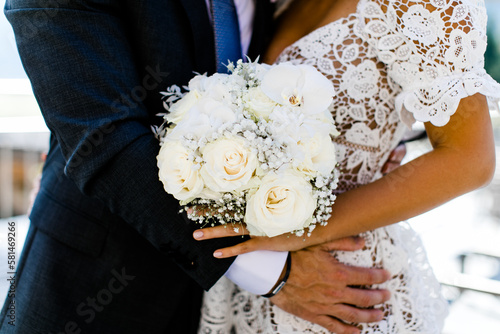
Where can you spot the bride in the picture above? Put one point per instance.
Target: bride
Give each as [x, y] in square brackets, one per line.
[392, 62]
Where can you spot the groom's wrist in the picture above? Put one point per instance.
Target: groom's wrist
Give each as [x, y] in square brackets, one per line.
[259, 271]
[285, 273]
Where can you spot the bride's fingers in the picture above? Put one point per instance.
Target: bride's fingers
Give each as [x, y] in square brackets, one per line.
[220, 231]
[241, 248]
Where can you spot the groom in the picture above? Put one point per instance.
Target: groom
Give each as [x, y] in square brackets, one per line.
[107, 250]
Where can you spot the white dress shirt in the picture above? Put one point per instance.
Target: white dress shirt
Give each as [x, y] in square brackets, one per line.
[256, 272]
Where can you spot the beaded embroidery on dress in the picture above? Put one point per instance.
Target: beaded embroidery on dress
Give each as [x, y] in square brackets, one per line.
[391, 62]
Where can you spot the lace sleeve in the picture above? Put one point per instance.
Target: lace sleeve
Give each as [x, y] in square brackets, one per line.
[434, 50]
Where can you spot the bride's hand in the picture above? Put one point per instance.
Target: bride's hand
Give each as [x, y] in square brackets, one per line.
[284, 242]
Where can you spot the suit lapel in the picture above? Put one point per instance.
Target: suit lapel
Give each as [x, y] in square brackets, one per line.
[204, 49]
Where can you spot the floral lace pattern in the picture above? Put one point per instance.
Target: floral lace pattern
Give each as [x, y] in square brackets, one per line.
[392, 62]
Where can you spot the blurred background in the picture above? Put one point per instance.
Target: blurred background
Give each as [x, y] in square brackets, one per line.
[462, 237]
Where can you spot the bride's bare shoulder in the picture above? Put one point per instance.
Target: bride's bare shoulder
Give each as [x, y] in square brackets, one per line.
[301, 17]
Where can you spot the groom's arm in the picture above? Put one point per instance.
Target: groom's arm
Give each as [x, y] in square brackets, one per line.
[80, 61]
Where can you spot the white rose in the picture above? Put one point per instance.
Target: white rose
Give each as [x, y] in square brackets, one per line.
[203, 118]
[323, 122]
[300, 86]
[228, 164]
[203, 82]
[319, 155]
[258, 103]
[178, 173]
[289, 126]
[283, 203]
[218, 86]
[179, 109]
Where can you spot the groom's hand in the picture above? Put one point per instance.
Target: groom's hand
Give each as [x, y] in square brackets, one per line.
[321, 290]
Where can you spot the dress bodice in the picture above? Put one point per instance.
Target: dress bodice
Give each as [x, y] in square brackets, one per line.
[392, 63]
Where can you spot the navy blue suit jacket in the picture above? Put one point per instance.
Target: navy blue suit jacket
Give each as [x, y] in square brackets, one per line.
[97, 67]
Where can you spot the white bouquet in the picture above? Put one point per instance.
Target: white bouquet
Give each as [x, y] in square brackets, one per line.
[254, 146]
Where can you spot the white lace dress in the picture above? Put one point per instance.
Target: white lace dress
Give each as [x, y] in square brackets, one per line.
[392, 62]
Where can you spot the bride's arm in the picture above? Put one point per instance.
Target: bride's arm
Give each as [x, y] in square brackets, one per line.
[462, 159]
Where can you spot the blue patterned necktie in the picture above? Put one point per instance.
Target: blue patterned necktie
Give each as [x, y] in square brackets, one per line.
[226, 33]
